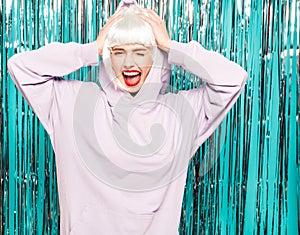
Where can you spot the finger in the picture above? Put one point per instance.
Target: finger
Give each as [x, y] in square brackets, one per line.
[154, 23]
[115, 16]
[112, 20]
[147, 19]
[118, 11]
[154, 14]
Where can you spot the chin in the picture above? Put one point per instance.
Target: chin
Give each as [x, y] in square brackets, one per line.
[134, 89]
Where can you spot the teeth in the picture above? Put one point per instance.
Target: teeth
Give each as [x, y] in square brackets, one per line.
[131, 73]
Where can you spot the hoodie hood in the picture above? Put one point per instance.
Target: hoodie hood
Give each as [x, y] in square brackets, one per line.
[155, 84]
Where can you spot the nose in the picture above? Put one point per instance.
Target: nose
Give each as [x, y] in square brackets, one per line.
[128, 61]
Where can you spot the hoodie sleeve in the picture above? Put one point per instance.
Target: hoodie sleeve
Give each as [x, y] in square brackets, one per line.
[224, 81]
[37, 73]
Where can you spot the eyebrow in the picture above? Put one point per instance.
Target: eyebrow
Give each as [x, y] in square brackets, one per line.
[134, 50]
[139, 49]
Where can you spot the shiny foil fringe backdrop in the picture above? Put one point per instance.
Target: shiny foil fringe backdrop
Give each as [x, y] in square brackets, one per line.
[244, 180]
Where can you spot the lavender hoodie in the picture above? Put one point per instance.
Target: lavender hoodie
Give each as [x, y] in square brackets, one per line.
[121, 160]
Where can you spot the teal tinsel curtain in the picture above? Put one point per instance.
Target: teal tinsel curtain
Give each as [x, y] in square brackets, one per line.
[244, 180]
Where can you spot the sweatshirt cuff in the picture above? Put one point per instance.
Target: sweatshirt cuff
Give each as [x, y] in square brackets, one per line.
[89, 53]
[177, 53]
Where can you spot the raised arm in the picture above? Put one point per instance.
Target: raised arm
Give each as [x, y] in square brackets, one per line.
[224, 83]
[35, 73]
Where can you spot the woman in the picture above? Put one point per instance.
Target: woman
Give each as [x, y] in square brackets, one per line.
[122, 149]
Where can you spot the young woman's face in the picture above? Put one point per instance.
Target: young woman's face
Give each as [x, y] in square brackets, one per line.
[131, 64]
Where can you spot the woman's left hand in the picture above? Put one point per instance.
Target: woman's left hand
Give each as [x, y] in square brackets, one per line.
[159, 29]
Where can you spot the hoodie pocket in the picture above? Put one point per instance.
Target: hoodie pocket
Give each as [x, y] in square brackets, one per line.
[96, 219]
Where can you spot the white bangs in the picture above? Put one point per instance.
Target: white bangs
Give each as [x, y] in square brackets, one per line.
[131, 29]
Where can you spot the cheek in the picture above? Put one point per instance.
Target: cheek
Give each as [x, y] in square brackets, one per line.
[146, 71]
[147, 64]
[116, 64]
[148, 61]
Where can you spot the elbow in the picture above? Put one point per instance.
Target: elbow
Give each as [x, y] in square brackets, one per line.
[240, 87]
[240, 77]
[10, 66]
[15, 63]
[240, 82]
[244, 78]
[12, 63]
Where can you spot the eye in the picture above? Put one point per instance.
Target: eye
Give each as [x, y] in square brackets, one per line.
[118, 53]
[140, 54]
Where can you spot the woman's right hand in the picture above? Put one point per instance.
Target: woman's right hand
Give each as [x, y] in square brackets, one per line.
[103, 32]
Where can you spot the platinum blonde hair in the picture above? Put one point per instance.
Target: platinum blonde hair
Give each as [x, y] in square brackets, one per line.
[130, 29]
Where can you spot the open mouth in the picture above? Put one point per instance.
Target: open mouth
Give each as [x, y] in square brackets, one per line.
[131, 77]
